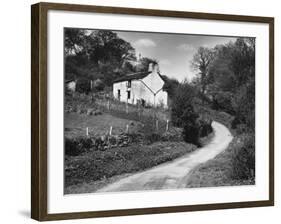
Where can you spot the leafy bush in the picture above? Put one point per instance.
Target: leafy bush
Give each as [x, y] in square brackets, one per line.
[83, 86]
[74, 147]
[205, 126]
[191, 133]
[99, 85]
[244, 104]
[185, 116]
[182, 103]
[223, 101]
[190, 125]
[172, 135]
[97, 165]
[243, 159]
[153, 137]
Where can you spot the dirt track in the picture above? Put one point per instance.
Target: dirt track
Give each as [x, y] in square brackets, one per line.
[174, 174]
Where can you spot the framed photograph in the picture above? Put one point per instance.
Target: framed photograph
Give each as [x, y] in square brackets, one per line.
[139, 111]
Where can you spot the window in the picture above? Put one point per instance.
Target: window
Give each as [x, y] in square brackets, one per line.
[128, 95]
[129, 83]
[119, 94]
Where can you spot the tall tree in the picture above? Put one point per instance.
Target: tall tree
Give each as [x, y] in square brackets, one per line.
[96, 54]
[170, 85]
[201, 62]
[73, 40]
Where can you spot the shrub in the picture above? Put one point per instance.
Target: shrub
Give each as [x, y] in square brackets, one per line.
[191, 133]
[190, 125]
[83, 86]
[243, 159]
[205, 126]
[74, 147]
[184, 115]
[77, 146]
[182, 102]
[222, 101]
[244, 105]
[172, 135]
[153, 137]
[99, 85]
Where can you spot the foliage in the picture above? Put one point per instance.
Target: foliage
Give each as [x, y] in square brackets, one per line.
[244, 105]
[83, 86]
[201, 61]
[205, 126]
[99, 54]
[99, 85]
[144, 64]
[182, 103]
[184, 115]
[74, 147]
[170, 85]
[243, 159]
[191, 132]
[234, 166]
[229, 79]
[223, 101]
[98, 165]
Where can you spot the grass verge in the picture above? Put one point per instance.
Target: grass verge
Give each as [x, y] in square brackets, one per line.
[101, 165]
[234, 166]
[220, 170]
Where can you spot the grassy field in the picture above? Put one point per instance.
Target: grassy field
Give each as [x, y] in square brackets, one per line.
[75, 124]
[100, 166]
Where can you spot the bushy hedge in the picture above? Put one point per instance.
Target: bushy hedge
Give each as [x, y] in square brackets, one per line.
[74, 147]
[83, 85]
[77, 146]
[205, 126]
[223, 101]
[97, 165]
[184, 115]
[243, 159]
[182, 105]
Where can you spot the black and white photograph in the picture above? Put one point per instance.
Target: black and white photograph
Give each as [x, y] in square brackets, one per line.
[147, 111]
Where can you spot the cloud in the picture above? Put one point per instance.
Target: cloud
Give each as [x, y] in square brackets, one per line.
[164, 62]
[185, 47]
[145, 42]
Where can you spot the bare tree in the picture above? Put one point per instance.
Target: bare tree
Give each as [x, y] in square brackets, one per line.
[201, 62]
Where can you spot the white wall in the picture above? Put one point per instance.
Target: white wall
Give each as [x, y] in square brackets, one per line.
[15, 112]
[123, 91]
[155, 83]
[143, 89]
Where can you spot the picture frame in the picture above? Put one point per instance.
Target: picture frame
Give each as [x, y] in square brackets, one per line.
[40, 101]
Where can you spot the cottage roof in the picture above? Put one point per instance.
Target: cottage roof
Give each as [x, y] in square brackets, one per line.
[134, 76]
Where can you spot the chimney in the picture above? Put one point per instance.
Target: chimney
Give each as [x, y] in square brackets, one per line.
[153, 67]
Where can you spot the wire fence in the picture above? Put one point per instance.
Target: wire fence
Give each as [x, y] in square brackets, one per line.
[153, 119]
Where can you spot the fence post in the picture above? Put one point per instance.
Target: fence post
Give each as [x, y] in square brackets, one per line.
[87, 131]
[110, 131]
[127, 128]
[157, 125]
[167, 126]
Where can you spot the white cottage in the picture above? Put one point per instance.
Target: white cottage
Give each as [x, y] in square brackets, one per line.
[143, 87]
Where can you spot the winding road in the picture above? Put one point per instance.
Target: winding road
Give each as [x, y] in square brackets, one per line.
[174, 174]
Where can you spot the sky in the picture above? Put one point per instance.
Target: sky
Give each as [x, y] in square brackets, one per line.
[173, 51]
